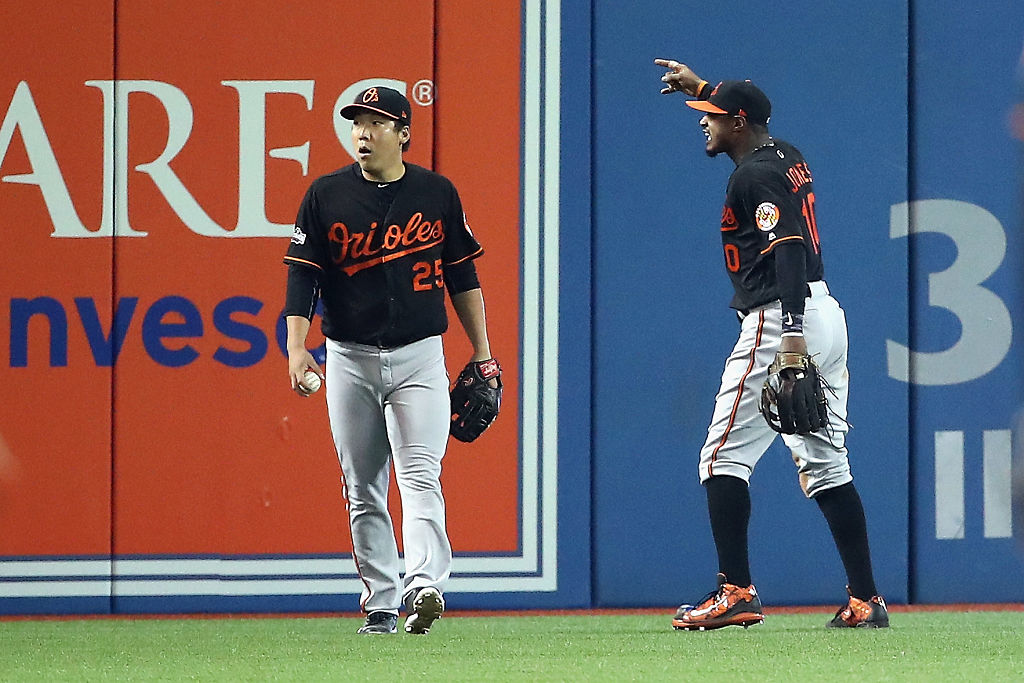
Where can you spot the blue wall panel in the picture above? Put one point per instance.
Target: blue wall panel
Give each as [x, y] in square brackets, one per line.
[965, 61]
[662, 328]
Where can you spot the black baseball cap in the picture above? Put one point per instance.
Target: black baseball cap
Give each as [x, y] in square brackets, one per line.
[386, 101]
[739, 98]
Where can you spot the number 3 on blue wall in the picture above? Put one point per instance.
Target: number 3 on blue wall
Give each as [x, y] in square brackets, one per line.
[986, 326]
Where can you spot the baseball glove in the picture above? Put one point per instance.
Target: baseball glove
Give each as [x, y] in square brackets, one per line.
[475, 402]
[793, 397]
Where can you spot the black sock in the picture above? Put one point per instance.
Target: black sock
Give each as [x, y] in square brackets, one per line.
[729, 510]
[844, 513]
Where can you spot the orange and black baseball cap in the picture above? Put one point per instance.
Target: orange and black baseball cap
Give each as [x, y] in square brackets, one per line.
[739, 98]
[386, 101]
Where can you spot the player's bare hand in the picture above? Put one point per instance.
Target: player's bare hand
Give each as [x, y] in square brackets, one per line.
[680, 78]
[298, 362]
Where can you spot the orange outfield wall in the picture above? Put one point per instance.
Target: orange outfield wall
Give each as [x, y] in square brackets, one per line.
[146, 409]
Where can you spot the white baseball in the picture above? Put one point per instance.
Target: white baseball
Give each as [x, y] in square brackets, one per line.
[311, 381]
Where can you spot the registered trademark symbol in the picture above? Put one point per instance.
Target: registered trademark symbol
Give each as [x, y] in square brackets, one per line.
[423, 92]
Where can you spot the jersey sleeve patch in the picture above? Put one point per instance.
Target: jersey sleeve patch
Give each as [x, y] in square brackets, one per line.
[766, 216]
[298, 237]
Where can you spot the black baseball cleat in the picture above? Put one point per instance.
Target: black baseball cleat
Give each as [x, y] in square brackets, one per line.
[380, 622]
[729, 605]
[426, 608]
[857, 613]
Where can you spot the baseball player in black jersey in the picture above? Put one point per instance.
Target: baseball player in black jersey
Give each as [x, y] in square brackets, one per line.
[773, 256]
[378, 242]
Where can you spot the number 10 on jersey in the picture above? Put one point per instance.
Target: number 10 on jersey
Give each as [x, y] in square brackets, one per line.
[807, 209]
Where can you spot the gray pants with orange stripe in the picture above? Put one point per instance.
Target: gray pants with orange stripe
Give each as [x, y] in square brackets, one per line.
[738, 435]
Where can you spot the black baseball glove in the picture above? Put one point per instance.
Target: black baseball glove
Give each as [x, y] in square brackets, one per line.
[793, 397]
[475, 402]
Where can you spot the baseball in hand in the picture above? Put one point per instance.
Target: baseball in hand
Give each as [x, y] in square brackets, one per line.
[311, 381]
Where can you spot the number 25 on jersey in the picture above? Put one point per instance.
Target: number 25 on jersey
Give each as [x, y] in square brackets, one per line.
[427, 276]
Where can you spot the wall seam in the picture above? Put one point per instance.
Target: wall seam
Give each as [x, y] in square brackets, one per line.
[912, 444]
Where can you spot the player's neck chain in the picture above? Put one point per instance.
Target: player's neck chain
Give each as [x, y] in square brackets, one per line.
[770, 142]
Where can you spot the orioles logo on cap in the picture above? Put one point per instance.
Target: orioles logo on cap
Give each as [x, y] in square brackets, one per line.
[371, 95]
[766, 216]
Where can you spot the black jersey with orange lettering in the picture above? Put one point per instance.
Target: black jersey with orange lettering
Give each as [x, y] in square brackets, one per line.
[769, 201]
[379, 250]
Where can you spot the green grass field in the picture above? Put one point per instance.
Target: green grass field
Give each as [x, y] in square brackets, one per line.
[920, 646]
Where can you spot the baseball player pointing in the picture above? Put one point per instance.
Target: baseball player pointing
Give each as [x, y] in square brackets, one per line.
[792, 331]
[379, 241]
